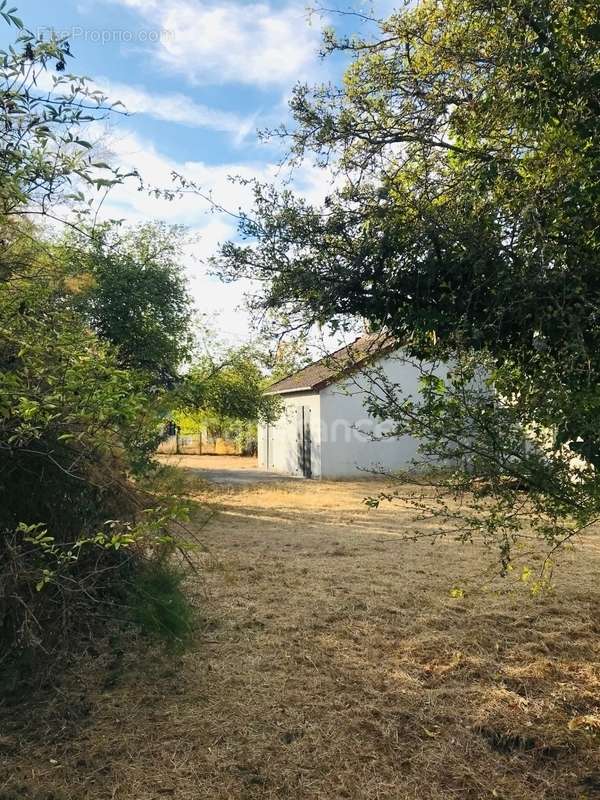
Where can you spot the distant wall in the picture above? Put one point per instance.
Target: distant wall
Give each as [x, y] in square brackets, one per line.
[199, 444]
[221, 447]
[168, 445]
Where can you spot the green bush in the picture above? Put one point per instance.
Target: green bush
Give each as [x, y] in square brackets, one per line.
[79, 412]
[158, 604]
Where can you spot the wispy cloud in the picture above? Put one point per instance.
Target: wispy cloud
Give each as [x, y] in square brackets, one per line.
[177, 108]
[172, 107]
[130, 151]
[225, 42]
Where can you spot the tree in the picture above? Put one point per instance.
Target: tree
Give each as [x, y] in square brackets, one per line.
[74, 426]
[466, 136]
[44, 161]
[291, 355]
[226, 385]
[136, 297]
[76, 418]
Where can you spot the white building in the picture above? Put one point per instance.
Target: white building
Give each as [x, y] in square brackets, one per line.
[324, 430]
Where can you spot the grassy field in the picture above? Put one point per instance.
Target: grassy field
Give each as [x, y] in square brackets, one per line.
[333, 663]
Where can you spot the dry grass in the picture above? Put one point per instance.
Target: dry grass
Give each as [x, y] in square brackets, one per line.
[334, 664]
[210, 461]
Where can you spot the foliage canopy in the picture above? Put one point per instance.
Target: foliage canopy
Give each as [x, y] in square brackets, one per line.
[137, 297]
[465, 137]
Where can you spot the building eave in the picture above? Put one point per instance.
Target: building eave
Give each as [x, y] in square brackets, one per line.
[295, 390]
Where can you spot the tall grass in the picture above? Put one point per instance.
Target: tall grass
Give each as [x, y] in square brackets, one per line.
[158, 604]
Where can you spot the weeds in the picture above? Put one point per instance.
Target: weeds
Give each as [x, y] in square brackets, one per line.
[158, 604]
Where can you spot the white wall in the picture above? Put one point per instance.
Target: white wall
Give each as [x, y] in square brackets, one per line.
[346, 448]
[278, 442]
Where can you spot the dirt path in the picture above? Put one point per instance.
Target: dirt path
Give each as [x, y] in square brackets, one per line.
[225, 470]
[335, 664]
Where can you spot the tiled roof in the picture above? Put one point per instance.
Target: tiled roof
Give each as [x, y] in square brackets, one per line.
[344, 361]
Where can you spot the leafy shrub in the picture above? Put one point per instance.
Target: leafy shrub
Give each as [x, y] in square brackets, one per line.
[78, 415]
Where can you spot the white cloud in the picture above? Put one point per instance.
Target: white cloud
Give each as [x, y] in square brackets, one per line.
[227, 42]
[131, 151]
[176, 108]
[172, 107]
[207, 228]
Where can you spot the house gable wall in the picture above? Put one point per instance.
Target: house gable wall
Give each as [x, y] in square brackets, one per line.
[279, 442]
[347, 448]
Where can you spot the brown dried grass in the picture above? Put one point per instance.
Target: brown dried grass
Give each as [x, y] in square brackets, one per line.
[333, 664]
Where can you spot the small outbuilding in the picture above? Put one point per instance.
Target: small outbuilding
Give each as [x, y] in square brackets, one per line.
[324, 430]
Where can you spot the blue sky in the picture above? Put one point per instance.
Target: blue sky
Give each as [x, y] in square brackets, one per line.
[199, 76]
